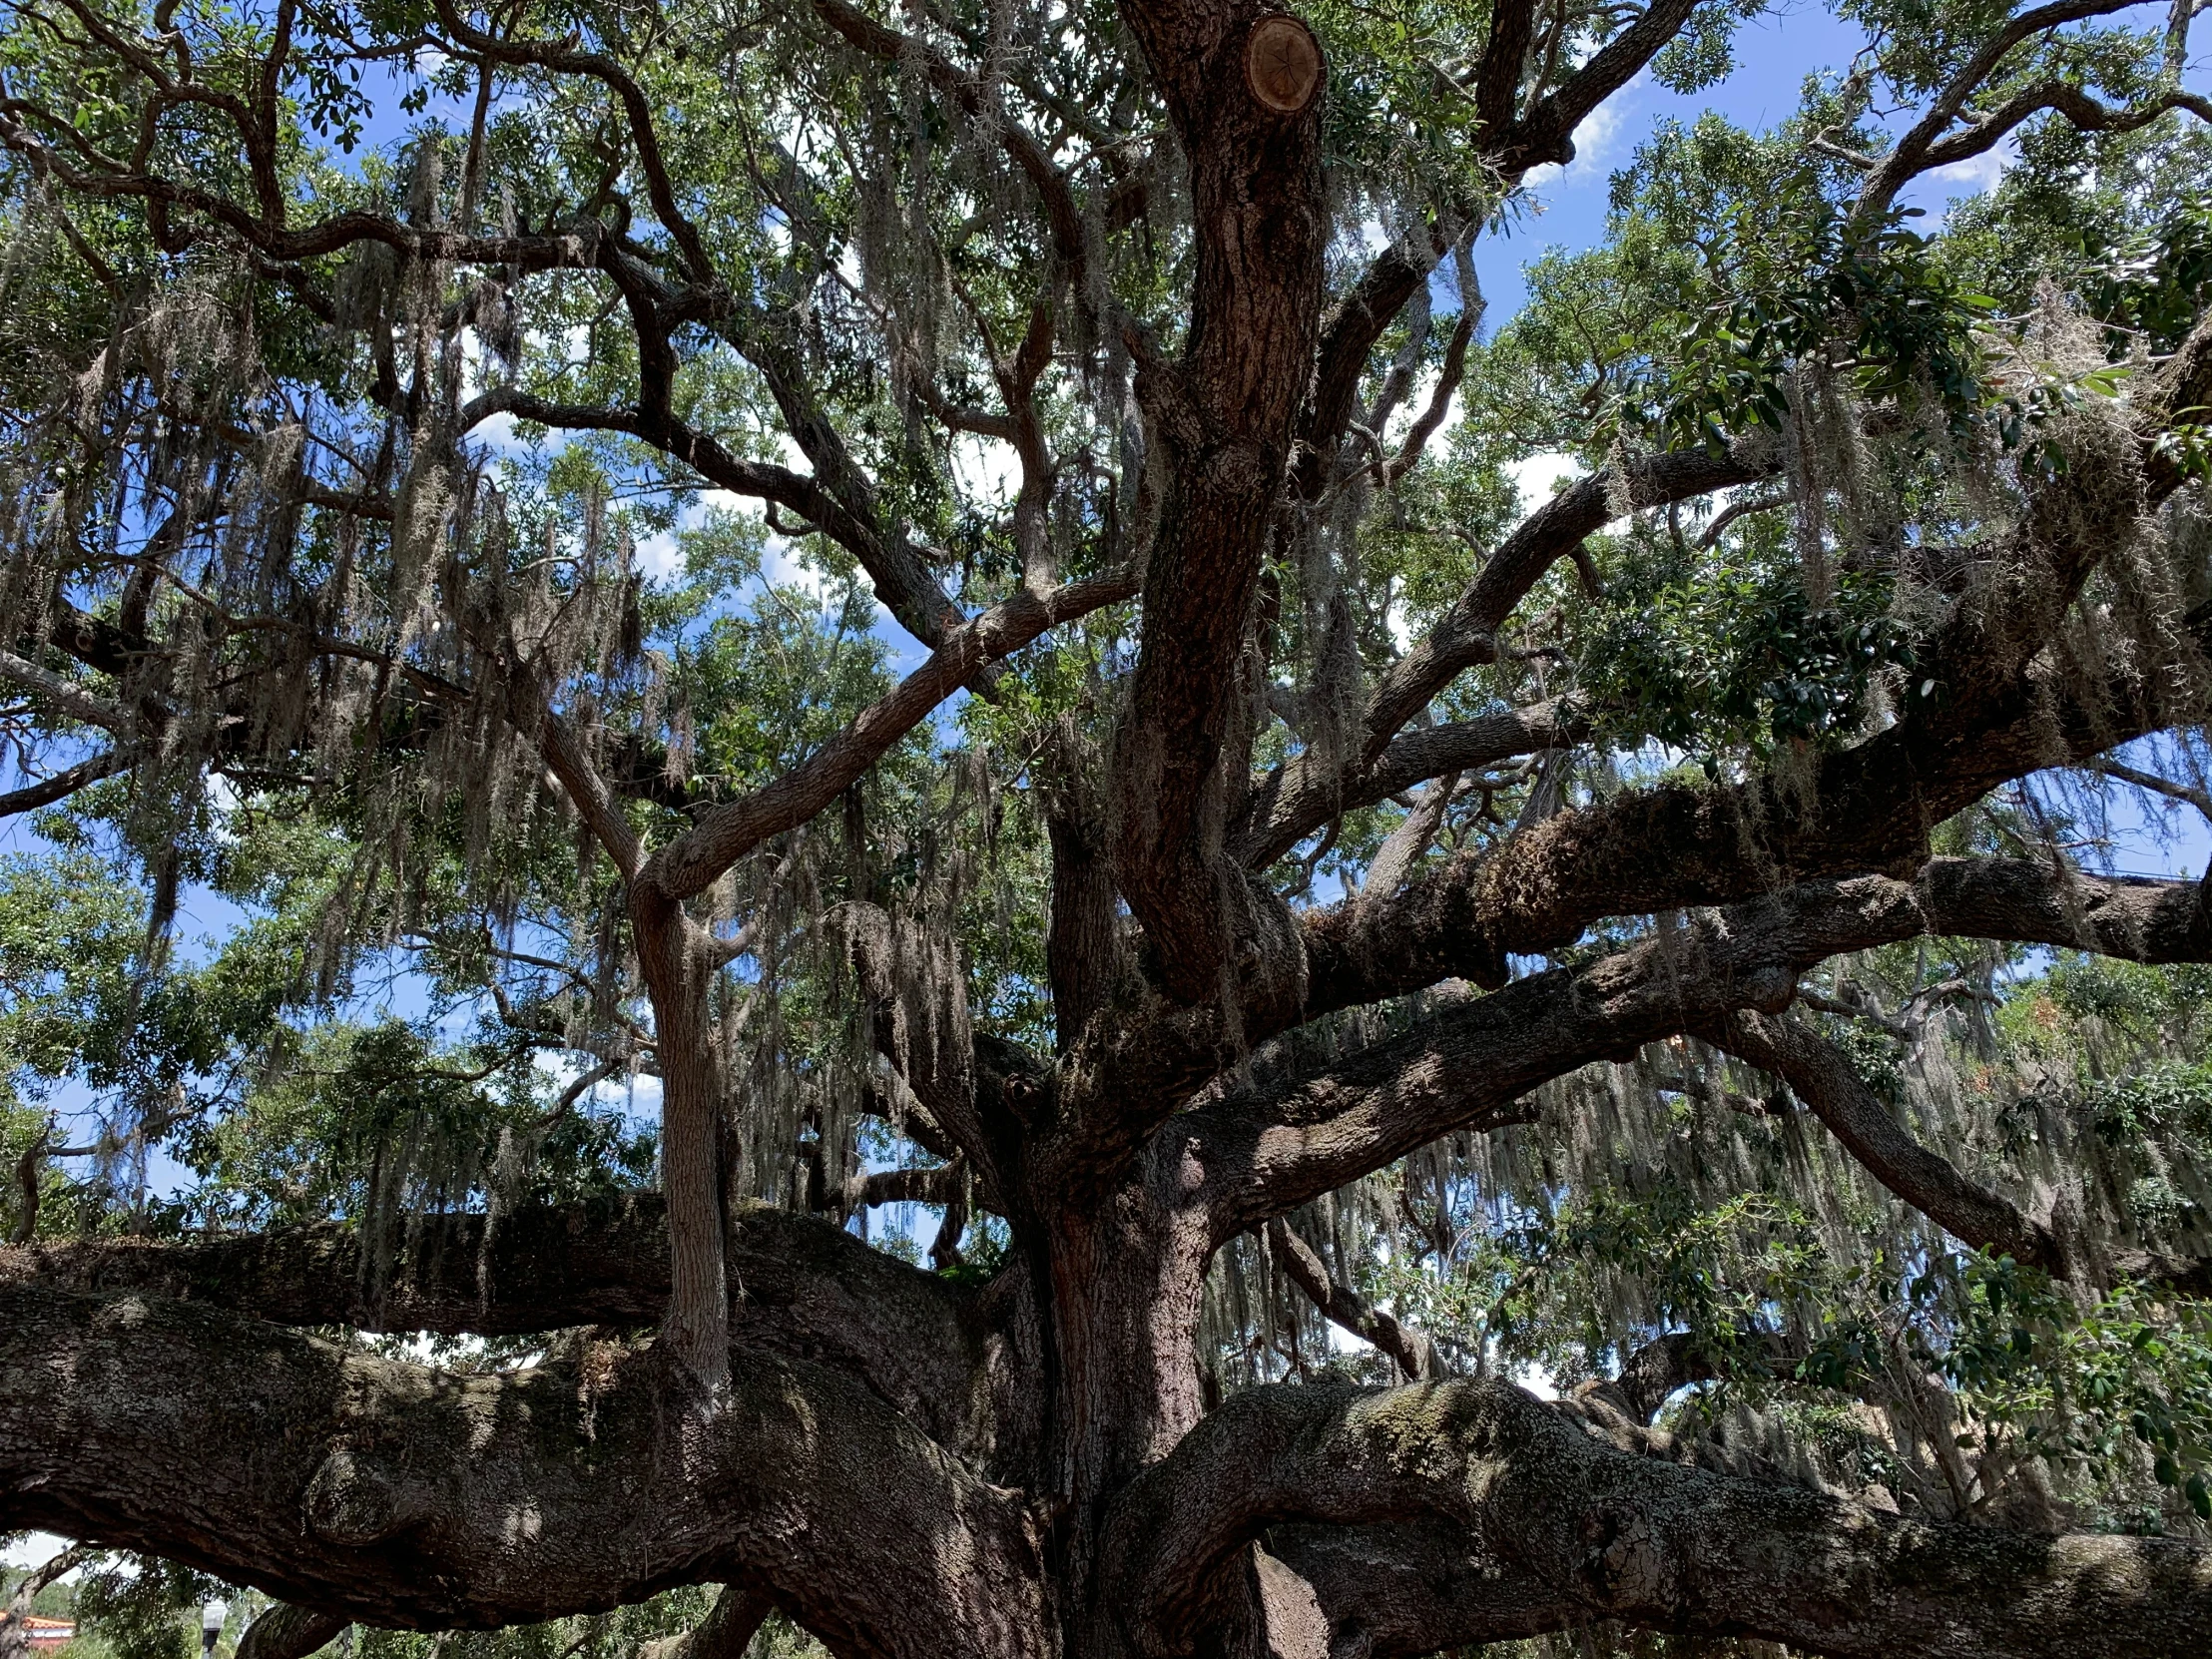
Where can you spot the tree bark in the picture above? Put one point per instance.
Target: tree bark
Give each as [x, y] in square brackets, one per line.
[1224, 415]
[673, 957]
[1428, 1517]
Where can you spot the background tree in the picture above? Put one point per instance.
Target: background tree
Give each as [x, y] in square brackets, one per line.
[1194, 833]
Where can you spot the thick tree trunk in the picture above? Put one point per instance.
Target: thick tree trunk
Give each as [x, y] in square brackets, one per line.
[1125, 1279]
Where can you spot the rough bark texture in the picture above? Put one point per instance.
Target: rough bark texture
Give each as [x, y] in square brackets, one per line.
[908, 1464]
[1473, 1534]
[286, 1631]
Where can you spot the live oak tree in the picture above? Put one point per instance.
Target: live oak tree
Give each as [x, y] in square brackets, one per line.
[1311, 933]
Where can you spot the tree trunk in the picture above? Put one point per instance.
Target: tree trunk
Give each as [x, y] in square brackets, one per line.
[671, 956]
[1126, 1280]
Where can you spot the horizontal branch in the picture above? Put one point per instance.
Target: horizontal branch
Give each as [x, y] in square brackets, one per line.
[1302, 795]
[1430, 1518]
[2003, 712]
[941, 1185]
[1273, 1145]
[804, 1288]
[64, 784]
[407, 1497]
[570, 247]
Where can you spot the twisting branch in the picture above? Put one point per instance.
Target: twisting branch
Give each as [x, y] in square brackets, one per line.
[1761, 503]
[289, 1631]
[1913, 153]
[1821, 1077]
[565, 58]
[1408, 1521]
[1546, 132]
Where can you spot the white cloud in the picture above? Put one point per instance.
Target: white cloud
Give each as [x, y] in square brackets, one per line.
[1539, 476]
[985, 468]
[659, 556]
[780, 568]
[1597, 144]
[496, 431]
[1979, 174]
[1538, 1383]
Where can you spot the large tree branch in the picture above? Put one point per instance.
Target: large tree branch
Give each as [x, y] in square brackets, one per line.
[2008, 706]
[804, 1288]
[403, 1496]
[1910, 157]
[1424, 1518]
[1931, 1183]
[1466, 634]
[1349, 333]
[15, 1640]
[289, 1631]
[1414, 1352]
[71, 699]
[1276, 1143]
[64, 784]
[1497, 77]
[1546, 132]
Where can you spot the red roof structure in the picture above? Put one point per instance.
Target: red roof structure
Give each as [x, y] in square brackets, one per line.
[48, 1635]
